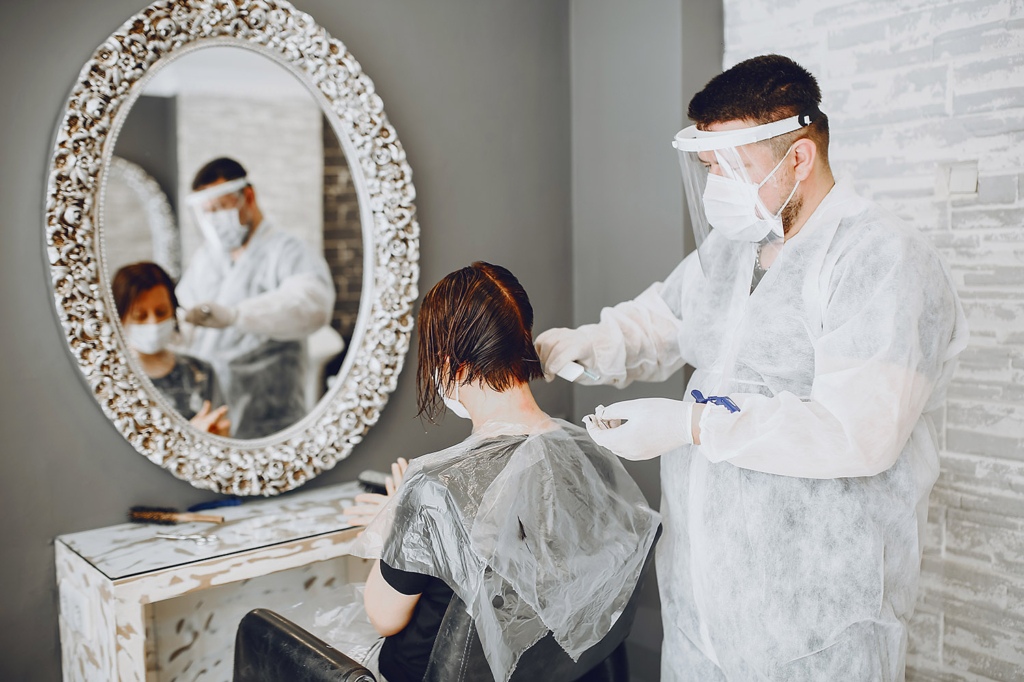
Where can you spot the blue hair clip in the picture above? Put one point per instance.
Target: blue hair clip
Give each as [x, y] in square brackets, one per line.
[722, 400]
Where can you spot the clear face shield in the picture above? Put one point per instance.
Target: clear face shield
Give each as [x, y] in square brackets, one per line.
[733, 185]
[216, 211]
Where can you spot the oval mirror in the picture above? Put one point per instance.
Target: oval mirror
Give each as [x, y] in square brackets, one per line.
[296, 279]
[250, 345]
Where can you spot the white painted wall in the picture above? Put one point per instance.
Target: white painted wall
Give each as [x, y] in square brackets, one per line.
[911, 87]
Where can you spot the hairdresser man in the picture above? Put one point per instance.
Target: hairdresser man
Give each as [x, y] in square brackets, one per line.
[254, 294]
[823, 332]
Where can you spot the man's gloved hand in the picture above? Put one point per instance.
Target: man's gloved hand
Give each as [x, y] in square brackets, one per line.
[212, 315]
[647, 427]
[559, 346]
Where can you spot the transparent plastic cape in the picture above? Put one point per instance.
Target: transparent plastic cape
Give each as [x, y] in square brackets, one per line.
[343, 622]
[533, 531]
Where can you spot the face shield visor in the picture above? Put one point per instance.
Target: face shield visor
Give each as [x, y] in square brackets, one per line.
[732, 182]
[216, 210]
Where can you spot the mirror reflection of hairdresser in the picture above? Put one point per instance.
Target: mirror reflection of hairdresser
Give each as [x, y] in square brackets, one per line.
[146, 305]
[793, 525]
[254, 294]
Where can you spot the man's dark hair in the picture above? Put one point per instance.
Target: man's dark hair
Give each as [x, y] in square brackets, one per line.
[133, 280]
[477, 319]
[764, 89]
[219, 169]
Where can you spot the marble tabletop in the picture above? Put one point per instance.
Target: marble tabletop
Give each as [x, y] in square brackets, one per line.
[130, 549]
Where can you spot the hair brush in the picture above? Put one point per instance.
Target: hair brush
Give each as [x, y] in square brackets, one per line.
[168, 516]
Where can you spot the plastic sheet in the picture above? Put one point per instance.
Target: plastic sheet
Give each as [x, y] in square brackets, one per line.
[344, 623]
[533, 531]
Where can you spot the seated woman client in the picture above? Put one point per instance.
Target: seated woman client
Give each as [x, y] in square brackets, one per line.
[146, 306]
[533, 526]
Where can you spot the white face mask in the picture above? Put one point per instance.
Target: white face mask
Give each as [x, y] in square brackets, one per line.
[149, 339]
[224, 228]
[735, 208]
[452, 404]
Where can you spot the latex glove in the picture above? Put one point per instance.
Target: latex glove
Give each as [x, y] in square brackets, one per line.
[642, 429]
[212, 421]
[368, 505]
[558, 347]
[212, 315]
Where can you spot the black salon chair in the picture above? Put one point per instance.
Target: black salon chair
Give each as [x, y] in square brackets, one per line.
[269, 648]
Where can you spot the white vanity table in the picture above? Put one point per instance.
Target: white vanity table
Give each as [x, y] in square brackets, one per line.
[137, 607]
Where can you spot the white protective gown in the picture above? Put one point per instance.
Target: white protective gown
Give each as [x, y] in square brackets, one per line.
[283, 292]
[792, 542]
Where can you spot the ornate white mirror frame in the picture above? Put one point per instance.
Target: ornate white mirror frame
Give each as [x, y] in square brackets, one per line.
[107, 86]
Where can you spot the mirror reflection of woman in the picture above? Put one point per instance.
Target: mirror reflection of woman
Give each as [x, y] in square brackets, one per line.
[146, 305]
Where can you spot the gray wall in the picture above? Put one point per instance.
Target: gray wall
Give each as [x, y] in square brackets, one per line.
[149, 138]
[479, 94]
[634, 68]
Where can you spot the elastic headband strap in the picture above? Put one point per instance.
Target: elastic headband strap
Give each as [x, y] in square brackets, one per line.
[693, 140]
[219, 190]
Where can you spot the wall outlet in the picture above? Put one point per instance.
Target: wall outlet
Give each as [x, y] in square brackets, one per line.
[963, 178]
[956, 180]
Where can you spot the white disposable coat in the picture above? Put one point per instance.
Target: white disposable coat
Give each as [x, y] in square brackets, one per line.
[283, 292]
[792, 542]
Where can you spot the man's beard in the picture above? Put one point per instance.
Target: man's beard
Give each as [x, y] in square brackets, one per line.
[791, 212]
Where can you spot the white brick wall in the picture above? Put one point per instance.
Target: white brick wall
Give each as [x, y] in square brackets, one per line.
[910, 85]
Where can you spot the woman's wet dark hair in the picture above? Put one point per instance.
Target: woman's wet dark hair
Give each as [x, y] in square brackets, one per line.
[133, 280]
[478, 320]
